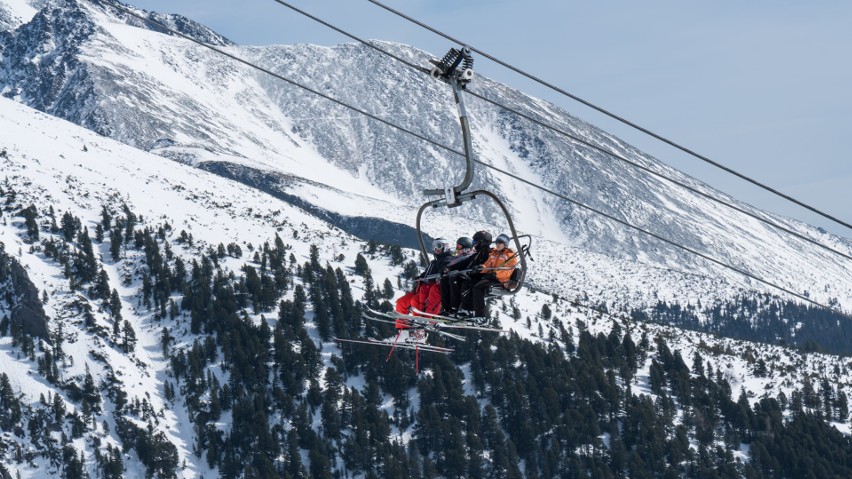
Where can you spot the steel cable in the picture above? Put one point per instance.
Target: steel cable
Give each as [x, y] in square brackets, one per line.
[572, 137]
[452, 150]
[615, 117]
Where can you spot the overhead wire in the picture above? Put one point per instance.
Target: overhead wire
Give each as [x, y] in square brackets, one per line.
[161, 25]
[614, 116]
[652, 172]
[573, 137]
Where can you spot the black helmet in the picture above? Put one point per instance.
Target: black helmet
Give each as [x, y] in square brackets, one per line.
[463, 244]
[482, 238]
[503, 238]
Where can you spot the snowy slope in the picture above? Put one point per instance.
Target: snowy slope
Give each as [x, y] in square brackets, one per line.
[50, 163]
[180, 102]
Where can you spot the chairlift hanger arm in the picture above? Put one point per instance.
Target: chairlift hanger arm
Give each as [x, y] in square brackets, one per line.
[449, 70]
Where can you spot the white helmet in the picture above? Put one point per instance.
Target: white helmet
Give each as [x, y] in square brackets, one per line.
[440, 246]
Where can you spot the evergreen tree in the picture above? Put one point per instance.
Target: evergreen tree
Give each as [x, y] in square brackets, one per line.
[115, 306]
[87, 267]
[70, 225]
[387, 289]
[361, 266]
[30, 215]
[128, 343]
[115, 241]
[10, 405]
[91, 397]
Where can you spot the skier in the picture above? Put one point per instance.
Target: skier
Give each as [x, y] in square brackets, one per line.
[426, 295]
[459, 270]
[464, 252]
[496, 271]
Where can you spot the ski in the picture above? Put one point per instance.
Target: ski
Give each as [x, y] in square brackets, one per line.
[432, 324]
[394, 315]
[471, 327]
[449, 319]
[414, 346]
[436, 322]
[400, 345]
[457, 323]
[428, 327]
[416, 319]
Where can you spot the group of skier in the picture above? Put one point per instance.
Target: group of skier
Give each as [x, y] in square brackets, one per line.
[456, 283]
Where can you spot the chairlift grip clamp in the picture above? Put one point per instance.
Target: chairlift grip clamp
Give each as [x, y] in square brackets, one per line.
[450, 197]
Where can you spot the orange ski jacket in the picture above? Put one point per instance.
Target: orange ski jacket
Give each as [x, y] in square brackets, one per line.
[500, 259]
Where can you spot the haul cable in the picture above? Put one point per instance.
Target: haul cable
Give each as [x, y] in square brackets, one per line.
[452, 150]
[615, 117]
[573, 137]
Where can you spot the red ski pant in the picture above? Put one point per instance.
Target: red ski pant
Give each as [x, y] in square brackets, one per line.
[426, 298]
[406, 302]
[404, 305]
[430, 295]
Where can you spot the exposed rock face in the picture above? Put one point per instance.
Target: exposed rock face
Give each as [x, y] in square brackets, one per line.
[21, 297]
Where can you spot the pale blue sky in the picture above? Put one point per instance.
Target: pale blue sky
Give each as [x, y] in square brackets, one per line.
[764, 87]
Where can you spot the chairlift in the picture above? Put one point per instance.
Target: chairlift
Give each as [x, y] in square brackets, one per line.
[456, 69]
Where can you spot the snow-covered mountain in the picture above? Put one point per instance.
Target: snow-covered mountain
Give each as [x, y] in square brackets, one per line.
[98, 68]
[163, 210]
[112, 389]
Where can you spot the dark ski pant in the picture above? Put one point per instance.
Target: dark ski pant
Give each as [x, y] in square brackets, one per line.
[467, 294]
[478, 291]
[452, 294]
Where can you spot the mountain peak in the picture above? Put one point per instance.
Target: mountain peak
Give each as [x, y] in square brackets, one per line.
[181, 24]
[159, 92]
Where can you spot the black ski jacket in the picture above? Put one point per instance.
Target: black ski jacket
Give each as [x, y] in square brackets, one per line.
[468, 261]
[437, 265]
